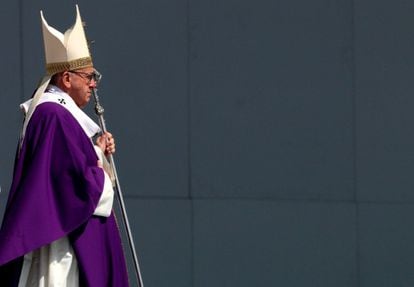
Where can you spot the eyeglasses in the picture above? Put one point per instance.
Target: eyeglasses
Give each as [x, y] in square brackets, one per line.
[95, 75]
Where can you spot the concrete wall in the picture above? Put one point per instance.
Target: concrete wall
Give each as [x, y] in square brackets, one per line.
[264, 143]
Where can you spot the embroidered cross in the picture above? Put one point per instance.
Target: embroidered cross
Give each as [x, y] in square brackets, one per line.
[62, 101]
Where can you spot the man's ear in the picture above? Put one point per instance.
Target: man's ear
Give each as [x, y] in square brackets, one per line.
[66, 79]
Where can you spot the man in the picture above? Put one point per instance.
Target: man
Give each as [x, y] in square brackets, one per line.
[59, 228]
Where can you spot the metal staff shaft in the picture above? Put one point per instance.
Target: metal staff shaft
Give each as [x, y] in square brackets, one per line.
[99, 110]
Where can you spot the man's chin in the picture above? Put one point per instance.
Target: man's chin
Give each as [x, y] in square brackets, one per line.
[84, 104]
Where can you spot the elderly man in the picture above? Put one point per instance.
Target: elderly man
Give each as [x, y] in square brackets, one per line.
[59, 228]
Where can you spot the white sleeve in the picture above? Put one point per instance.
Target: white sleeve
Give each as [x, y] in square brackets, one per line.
[105, 203]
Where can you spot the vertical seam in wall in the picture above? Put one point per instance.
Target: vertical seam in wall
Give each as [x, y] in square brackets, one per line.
[188, 91]
[192, 248]
[357, 251]
[189, 166]
[21, 54]
[355, 143]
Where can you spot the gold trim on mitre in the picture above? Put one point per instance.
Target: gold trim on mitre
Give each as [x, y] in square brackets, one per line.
[53, 68]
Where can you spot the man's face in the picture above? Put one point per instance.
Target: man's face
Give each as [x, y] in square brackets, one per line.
[81, 86]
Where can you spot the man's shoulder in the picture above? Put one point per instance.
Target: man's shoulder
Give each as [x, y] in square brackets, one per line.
[52, 117]
[51, 108]
[52, 111]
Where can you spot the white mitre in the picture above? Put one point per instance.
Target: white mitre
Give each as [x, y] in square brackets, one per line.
[67, 51]
[63, 52]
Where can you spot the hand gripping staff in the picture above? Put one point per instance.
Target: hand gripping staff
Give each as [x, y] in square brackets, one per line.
[99, 110]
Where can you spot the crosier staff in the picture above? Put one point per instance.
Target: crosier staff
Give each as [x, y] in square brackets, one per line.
[99, 110]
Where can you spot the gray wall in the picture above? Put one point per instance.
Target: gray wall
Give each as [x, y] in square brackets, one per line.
[260, 143]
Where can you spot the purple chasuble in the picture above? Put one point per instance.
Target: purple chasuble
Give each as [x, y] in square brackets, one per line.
[55, 190]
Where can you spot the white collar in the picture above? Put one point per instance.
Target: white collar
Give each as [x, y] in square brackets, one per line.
[55, 95]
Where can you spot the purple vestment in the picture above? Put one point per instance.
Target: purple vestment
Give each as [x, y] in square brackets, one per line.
[55, 190]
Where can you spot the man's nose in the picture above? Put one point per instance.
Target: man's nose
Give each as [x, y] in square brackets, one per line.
[93, 84]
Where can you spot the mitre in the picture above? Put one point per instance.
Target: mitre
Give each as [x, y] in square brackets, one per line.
[68, 51]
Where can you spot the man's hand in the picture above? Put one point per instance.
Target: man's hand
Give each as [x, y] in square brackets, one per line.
[107, 143]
